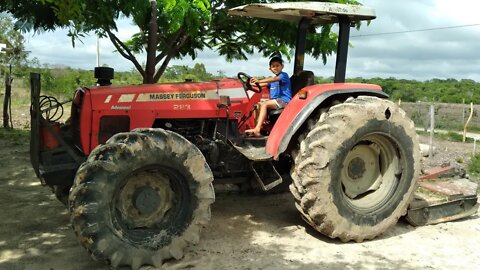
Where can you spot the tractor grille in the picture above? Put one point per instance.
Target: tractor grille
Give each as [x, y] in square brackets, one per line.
[111, 125]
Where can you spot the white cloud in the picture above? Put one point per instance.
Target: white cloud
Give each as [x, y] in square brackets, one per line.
[450, 53]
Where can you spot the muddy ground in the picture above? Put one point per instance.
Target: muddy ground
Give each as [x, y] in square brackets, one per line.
[246, 232]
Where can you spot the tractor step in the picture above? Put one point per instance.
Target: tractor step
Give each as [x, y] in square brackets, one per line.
[438, 201]
[253, 148]
[266, 174]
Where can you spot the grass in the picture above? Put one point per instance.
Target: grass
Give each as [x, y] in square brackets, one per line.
[474, 165]
[14, 134]
[449, 136]
[473, 168]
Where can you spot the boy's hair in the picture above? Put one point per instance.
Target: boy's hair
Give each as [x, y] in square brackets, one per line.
[275, 59]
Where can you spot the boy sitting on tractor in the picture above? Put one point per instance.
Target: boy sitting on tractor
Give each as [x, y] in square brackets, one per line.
[280, 94]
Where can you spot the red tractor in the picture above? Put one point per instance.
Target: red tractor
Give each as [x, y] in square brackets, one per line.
[135, 164]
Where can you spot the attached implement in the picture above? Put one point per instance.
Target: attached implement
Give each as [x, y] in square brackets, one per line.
[439, 199]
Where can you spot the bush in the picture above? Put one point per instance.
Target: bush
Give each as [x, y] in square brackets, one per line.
[474, 165]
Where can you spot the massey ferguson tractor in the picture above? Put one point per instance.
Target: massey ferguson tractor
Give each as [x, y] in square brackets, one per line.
[136, 164]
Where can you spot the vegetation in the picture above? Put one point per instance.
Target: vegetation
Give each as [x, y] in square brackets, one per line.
[474, 165]
[15, 135]
[184, 27]
[434, 90]
[64, 80]
[15, 53]
[449, 136]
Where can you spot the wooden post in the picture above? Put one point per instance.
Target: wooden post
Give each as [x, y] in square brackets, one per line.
[432, 127]
[474, 146]
[427, 120]
[468, 121]
[7, 101]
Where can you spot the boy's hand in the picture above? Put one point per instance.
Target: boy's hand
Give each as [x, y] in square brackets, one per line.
[254, 80]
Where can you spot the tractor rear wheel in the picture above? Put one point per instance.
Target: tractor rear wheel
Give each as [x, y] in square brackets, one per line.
[356, 169]
[141, 198]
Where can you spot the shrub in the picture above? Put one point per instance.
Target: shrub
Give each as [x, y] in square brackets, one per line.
[474, 165]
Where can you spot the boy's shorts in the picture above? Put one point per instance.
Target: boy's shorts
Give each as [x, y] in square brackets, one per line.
[280, 103]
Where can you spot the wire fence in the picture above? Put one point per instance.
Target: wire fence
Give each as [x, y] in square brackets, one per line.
[448, 116]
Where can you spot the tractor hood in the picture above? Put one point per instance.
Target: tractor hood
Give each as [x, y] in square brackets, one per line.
[319, 12]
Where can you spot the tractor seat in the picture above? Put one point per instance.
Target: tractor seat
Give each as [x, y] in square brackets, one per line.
[303, 79]
[298, 81]
[274, 113]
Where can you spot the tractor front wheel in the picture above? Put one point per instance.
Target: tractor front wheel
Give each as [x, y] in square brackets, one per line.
[141, 198]
[356, 169]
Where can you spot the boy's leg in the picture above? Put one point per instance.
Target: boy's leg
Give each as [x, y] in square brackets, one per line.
[262, 115]
[257, 111]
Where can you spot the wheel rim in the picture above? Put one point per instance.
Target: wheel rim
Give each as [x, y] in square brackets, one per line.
[370, 172]
[145, 199]
[152, 203]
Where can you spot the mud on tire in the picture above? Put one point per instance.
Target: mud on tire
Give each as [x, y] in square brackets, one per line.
[356, 169]
[141, 198]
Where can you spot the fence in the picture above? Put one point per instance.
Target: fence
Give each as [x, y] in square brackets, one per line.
[448, 116]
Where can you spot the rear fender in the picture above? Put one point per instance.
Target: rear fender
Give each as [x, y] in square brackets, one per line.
[299, 110]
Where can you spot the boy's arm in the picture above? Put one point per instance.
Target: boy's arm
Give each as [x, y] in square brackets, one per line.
[265, 81]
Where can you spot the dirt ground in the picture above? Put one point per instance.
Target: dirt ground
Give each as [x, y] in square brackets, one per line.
[246, 232]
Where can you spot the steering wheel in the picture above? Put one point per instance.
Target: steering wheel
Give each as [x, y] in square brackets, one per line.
[245, 79]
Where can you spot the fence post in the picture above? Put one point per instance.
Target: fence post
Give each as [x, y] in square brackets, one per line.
[474, 146]
[468, 121]
[427, 118]
[432, 126]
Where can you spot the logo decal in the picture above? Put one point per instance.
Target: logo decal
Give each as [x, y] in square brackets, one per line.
[172, 96]
[107, 100]
[121, 108]
[126, 98]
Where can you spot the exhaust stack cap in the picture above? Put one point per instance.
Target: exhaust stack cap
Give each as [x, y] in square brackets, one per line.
[104, 75]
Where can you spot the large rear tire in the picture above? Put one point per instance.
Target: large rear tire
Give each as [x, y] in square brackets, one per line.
[356, 169]
[141, 198]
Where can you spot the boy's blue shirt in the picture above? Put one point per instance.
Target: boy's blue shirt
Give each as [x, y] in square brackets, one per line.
[282, 88]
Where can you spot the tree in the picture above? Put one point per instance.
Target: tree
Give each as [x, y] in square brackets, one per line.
[15, 54]
[184, 27]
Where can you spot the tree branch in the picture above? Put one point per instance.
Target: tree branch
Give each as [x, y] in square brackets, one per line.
[169, 55]
[173, 41]
[125, 52]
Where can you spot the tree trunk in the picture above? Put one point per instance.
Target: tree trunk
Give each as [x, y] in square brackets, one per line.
[6, 101]
[151, 45]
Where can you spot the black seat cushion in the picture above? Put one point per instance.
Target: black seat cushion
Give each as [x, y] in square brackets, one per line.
[276, 112]
[301, 79]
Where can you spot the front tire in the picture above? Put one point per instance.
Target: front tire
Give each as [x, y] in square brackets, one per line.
[141, 198]
[356, 169]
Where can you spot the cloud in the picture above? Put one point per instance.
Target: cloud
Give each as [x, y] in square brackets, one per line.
[448, 53]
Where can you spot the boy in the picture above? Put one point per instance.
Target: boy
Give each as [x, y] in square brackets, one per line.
[280, 94]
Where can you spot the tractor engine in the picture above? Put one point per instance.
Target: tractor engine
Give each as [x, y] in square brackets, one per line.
[209, 135]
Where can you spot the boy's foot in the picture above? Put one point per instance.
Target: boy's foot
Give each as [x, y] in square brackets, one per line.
[253, 133]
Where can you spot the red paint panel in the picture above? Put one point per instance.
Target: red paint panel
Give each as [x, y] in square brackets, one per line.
[296, 105]
[145, 103]
[86, 122]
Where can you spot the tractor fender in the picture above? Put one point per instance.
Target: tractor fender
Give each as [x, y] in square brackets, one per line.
[299, 110]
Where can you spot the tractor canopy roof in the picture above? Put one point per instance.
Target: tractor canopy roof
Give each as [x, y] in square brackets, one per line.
[318, 12]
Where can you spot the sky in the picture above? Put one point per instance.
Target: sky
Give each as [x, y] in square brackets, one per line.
[419, 55]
